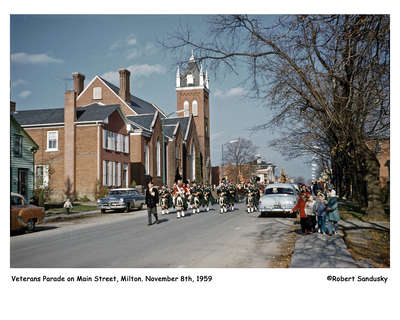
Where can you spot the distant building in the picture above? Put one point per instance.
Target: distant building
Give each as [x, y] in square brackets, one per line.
[22, 153]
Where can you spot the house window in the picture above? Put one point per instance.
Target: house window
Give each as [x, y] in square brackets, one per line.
[17, 145]
[97, 93]
[41, 176]
[52, 141]
[158, 158]
[146, 159]
[195, 110]
[186, 109]
[126, 144]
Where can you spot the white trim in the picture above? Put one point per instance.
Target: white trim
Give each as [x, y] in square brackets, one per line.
[188, 128]
[44, 125]
[159, 109]
[193, 88]
[176, 128]
[123, 101]
[98, 152]
[154, 120]
[140, 133]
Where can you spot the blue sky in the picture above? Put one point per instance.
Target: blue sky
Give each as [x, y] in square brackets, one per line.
[46, 49]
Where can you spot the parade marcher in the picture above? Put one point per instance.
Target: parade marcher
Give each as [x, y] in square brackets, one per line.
[333, 213]
[311, 217]
[151, 202]
[165, 200]
[68, 205]
[301, 204]
[222, 197]
[196, 194]
[250, 198]
[207, 197]
[180, 192]
[320, 208]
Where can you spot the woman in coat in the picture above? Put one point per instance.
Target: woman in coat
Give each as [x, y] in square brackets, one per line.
[333, 213]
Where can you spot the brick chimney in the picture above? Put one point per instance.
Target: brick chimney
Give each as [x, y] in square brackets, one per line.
[79, 80]
[12, 106]
[69, 140]
[124, 85]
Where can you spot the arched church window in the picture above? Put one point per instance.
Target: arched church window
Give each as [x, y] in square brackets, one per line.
[195, 110]
[186, 109]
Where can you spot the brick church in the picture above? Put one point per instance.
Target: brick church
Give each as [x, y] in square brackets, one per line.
[106, 136]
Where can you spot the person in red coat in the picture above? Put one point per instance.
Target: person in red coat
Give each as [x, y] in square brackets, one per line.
[301, 204]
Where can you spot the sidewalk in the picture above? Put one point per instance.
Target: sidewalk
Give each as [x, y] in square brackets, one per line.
[67, 216]
[323, 251]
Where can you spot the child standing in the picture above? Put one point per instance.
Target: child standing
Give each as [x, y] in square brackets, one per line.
[320, 209]
[68, 205]
[301, 204]
[333, 213]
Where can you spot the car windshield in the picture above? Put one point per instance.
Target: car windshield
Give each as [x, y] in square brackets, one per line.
[17, 201]
[279, 191]
[115, 193]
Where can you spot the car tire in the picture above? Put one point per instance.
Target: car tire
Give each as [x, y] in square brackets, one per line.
[128, 207]
[31, 225]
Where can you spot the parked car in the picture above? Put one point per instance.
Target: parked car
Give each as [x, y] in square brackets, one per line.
[278, 198]
[24, 216]
[121, 200]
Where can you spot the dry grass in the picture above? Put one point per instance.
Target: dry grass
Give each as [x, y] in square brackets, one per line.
[286, 249]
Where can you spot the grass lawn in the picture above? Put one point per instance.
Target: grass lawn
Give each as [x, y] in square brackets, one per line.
[79, 208]
[366, 243]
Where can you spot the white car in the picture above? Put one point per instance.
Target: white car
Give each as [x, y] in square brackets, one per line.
[278, 198]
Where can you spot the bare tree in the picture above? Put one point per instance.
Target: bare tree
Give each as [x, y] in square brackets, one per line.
[327, 76]
[239, 153]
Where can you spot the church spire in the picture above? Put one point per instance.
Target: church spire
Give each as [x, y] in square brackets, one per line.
[178, 78]
[192, 56]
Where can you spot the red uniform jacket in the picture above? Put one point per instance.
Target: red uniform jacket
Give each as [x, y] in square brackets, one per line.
[301, 204]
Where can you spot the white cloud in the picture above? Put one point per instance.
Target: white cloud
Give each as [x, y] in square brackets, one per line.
[22, 57]
[133, 53]
[25, 94]
[131, 40]
[137, 70]
[236, 92]
[18, 82]
[233, 92]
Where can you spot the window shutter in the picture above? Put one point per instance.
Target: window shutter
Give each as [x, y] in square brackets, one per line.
[115, 141]
[104, 171]
[119, 173]
[113, 173]
[127, 144]
[109, 173]
[104, 140]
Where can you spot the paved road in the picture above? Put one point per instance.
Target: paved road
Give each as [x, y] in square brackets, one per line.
[124, 240]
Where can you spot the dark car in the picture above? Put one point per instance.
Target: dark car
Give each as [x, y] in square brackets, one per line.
[121, 200]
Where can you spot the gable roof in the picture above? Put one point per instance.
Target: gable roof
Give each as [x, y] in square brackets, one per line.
[183, 122]
[170, 130]
[138, 105]
[142, 120]
[15, 122]
[92, 112]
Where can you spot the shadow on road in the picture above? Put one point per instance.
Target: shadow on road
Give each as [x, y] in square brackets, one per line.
[37, 229]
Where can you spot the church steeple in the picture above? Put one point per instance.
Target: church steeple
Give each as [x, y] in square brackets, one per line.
[178, 78]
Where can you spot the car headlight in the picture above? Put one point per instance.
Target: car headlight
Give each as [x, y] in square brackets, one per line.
[121, 200]
[98, 201]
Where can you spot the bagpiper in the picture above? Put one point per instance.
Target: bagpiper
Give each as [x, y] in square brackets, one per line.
[165, 199]
[180, 192]
[222, 192]
[207, 197]
[195, 197]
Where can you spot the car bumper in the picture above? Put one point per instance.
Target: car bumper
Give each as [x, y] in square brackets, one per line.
[112, 206]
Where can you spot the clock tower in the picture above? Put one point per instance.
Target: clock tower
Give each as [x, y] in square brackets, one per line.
[192, 91]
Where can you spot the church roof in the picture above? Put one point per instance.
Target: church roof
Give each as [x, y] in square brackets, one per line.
[183, 122]
[93, 112]
[142, 120]
[140, 106]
